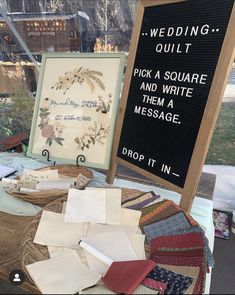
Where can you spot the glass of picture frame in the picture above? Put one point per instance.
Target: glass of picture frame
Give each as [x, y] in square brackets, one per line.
[76, 107]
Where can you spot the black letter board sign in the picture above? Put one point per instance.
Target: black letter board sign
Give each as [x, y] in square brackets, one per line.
[177, 69]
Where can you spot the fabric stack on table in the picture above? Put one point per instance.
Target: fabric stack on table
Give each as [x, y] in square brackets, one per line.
[178, 246]
[94, 251]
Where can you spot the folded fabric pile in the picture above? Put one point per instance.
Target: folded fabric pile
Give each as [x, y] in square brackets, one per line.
[178, 246]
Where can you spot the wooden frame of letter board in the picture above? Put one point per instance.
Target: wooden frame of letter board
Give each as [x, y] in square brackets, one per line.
[209, 118]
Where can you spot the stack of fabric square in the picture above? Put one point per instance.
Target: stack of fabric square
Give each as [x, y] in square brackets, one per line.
[176, 243]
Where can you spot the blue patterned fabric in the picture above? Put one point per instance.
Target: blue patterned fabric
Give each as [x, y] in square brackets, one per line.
[176, 283]
[167, 226]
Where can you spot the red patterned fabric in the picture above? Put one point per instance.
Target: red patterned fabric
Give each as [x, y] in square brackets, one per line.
[189, 240]
[125, 276]
[155, 285]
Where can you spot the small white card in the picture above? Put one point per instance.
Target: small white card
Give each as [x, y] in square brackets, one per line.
[46, 175]
[82, 181]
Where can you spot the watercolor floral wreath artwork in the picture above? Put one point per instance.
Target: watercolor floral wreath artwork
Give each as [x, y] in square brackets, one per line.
[52, 132]
[96, 134]
[102, 106]
[81, 76]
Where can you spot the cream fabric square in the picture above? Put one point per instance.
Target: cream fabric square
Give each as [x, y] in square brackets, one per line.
[137, 242]
[57, 251]
[133, 234]
[130, 217]
[63, 274]
[113, 206]
[94, 205]
[85, 206]
[96, 228]
[115, 245]
[53, 231]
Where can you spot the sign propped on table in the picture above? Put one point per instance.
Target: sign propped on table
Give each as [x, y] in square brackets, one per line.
[180, 58]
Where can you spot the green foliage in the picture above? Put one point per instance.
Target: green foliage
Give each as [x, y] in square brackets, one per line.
[44, 113]
[59, 140]
[222, 147]
[16, 116]
[5, 122]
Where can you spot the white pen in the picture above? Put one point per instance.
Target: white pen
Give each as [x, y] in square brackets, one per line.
[99, 255]
[28, 190]
[9, 180]
[20, 183]
[60, 185]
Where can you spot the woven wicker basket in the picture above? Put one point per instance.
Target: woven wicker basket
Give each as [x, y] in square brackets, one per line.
[30, 252]
[46, 197]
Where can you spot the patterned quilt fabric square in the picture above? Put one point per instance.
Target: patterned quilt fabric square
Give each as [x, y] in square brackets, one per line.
[167, 226]
[164, 211]
[188, 240]
[198, 261]
[142, 201]
[176, 283]
[221, 224]
[189, 271]
[146, 210]
[197, 229]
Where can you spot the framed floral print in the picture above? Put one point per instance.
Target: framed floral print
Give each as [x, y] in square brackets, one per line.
[76, 107]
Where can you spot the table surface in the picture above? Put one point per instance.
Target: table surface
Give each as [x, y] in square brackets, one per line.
[12, 227]
[11, 230]
[205, 188]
